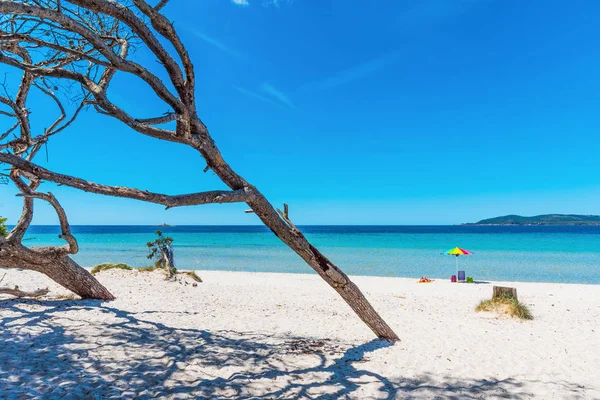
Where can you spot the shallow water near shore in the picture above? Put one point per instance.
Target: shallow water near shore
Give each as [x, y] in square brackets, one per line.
[568, 254]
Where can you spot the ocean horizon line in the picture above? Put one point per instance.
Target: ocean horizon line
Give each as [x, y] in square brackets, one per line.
[254, 225]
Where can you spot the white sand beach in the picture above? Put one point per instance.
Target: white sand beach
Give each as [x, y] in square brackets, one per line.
[261, 335]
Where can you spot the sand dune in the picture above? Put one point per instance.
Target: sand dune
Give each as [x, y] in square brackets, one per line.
[245, 335]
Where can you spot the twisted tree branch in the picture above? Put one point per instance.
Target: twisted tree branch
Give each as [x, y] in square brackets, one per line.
[209, 197]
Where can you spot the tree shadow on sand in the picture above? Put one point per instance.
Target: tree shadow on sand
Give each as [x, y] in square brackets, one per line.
[48, 350]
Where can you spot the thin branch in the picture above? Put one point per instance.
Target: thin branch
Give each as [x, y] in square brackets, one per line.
[20, 293]
[72, 246]
[209, 197]
[99, 94]
[7, 114]
[285, 217]
[62, 115]
[164, 27]
[97, 42]
[161, 4]
[139, 27]
[5, 134]
[158, 120]
[27, 38]
[18, 231]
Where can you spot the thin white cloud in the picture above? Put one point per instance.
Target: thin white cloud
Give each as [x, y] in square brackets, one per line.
[277, 94]
[264, 3]
[351, 74]
[254, 94]
[215, 43]
[275, 3]
[266, 92]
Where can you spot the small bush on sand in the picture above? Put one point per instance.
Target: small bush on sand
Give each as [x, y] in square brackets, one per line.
[160, 250]
[505, 305]
[3, 228]
[107, 266]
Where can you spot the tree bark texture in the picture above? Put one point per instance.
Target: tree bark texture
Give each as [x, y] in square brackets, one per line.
[56, 265]
[168, 260]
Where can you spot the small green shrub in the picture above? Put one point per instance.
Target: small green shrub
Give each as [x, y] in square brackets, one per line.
[158, 247]
[3, 228]
[107, 266]
[506, 305]
[470, 279]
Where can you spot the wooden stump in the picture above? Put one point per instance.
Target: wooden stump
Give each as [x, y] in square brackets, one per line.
[500, 291]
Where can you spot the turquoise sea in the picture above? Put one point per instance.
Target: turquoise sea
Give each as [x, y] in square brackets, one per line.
[513, 253]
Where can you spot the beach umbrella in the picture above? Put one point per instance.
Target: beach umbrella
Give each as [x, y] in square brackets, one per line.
[457, 251]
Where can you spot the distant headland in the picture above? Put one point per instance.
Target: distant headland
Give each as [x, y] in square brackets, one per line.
[546, 219]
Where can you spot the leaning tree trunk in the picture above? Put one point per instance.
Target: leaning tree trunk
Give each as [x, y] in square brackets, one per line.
[78, 280]
[55, 265]
[284, 229]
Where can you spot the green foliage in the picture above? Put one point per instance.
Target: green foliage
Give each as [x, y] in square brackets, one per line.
[470, 279]
[156, 248]
[107, 266]
[3, 228]
[507, 305]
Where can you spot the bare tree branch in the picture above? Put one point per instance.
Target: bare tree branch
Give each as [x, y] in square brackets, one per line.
[161, 4]
[11, 7]
[158, 120]
[209, 197]
[20, 293]
[72, 246]
[17, 233]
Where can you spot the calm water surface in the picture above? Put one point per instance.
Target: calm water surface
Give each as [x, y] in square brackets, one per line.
[520, 253]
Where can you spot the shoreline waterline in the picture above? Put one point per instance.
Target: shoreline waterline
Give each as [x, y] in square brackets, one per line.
[374, 278]
[525, 254]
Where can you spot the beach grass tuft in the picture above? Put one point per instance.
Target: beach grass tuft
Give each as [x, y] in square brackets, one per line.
[158, 266]
[151, 268]
[107, 266]
[191, 274]
[506, 305]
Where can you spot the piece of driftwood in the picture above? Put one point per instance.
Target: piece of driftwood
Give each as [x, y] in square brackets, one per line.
[20, 293]
[501, 291]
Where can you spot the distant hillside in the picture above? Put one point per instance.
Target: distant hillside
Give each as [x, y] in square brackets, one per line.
[548, 219]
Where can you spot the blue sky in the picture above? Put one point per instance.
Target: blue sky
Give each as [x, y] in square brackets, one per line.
[361, 112]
